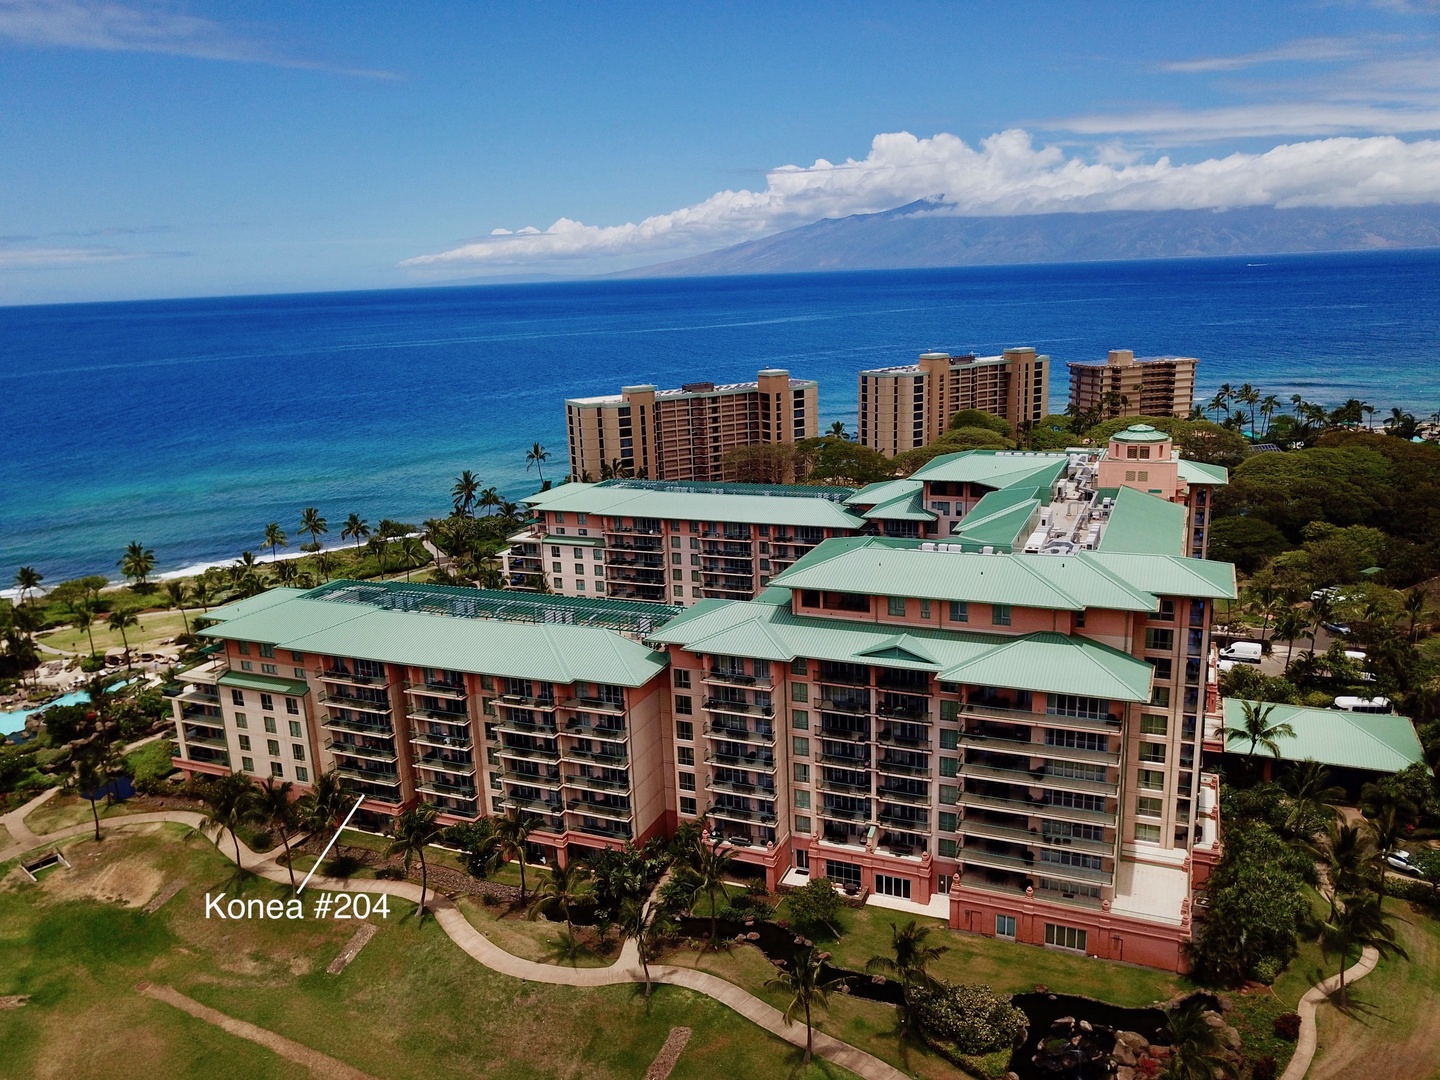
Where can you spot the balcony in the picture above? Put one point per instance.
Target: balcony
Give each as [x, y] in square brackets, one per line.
[831, 756]
[334, 675]
[194, 738]
[440, 716]
[726, 548]
[441, 787]
[1000, 744]
[369, 776]
[1110, 724]
[636, 575]
[528, 753]
[598, 809]
[344, 701]
[595, 704]
[452, 742]
[831, 730]
[548, 781]
[612, 832]
[852, 706]
[1037, 778]
[597, 783]
[441, 763]
[654, 560]
[527, 701]
[207, 755]
[754, 761]
[737, 678]
[896, 820]
[738, 708]
[1031, 808]
[902, 844]
[734, 733]
[915, 712]
[904, 736]
[1020, 864]
[526, 802]
[526, 727]
[849, 787]
[357, 725]
[607, 732]
[741, 787]
[207, 715]
[902, 767]
[201, 694]
[617, 761]
[840, 813]
[1031, 837]
[358, 750]
[916, 798]
[632, 530]
[436, 689]
[732, 813]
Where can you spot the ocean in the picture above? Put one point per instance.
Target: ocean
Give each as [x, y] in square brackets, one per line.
[190, 424]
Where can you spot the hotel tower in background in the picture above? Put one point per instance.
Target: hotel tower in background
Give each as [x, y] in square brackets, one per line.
[981, 695]
[1125, 386]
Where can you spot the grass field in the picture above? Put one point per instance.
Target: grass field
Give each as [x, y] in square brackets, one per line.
[411, 1005]
[155, 627]
[63, 810]
[534, 940]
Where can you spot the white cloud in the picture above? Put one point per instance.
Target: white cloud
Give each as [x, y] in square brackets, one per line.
[1306, 50]
[1007, 174]
[35, 258]
[108, 26]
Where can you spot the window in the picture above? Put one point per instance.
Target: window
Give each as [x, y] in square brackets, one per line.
[244, 742]
[685, 755]
[1160, 697]
[295, 729]
[240, 720]
[949, 766]
[802, 824]
[1154, 724]
[800, 747]
[687, 781]
[959, 611]
[1148, 834]
[1066, 937]
[292, 706]
[685, 730]
[302, 774]
[1151, 779]
[270, 669]
[1152, 752]
[802, 773]
[924, 609]
[1146, 806]
[273, 745]
[276, 769]
[246, 665]
[799, 691]
[687, 805]
[1005, 926]
[886, 885]
[244, 647]
[237, 697]
[270, 724]
[800, 720]
[949, 822]
[683, 705]
[799, 666]
[949, 794]
[682, 678]
[897, 606]
[247, 764]
[802, 799]
[1159, 639]
[267, 703]
[297, 751]
[948, 849]
[1000, 615]
[1071, 705]
[267, 650]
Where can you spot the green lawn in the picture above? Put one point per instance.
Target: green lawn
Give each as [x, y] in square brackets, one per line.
[155, 627]
[63, 810]
[533, 940]
[5, 838]
[411, 1005]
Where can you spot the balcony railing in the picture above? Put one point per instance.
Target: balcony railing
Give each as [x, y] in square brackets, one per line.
[730, 733]
[354, 723]
[528, 779]
[194, 738]
[436, 689]
[971, 826]
[528, 753]
[1001, 744]
[440, 763]
[616, 832]
[740, 787]
[594, 704]
[918, 798]
[596, 783]
[373, 753]
[1019, 864]
[344, 701]
[370, 776]
[755, 762]
[1032, 808]
[524, 727]
[738, 678]
[841, 813]
[609, 732]
[853, 706]
[738, 708]
[528, 701]
[618, 761]
[1037, 778]
[732, 813]
[597, 809]
[335, 675]
[845, 761]
[440, 787]
[429, 738]
[895, 820]
[1110, 723]
[545, 806]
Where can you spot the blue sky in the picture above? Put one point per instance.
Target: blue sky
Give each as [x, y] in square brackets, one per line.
[178, 148]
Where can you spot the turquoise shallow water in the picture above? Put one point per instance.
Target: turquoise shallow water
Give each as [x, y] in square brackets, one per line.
[189, 424]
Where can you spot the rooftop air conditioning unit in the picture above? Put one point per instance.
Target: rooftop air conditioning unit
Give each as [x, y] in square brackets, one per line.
[987, 550]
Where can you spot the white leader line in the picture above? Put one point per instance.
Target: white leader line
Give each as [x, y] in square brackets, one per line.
[328, 846]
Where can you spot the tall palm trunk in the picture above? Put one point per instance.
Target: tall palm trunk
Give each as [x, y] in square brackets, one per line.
[424, 877]
[809, 1034]
[285, 839]
[95, 811]
[126, 642]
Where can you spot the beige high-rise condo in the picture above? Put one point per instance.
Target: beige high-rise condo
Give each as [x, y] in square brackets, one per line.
[905, 407]
[684, 434]
[1125, 386]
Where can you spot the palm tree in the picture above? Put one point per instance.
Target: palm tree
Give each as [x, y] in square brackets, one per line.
[1369, 411]
[467, 486]
[272, 806]
[643, 924]
[138, 563]
[177, 593]
[710, 865]
[121, 621]
[376, 545]
[1360, 920]
[565, 885]
[311, 522]
[1290, 623]
[325, 562]
[227, 807]
[537, 455]
[1351, 860]
[82, 614]
[837, 429]
[1269, 406]
[323, 806]
[507, 841]
[275, 539]
[912, 956]
[27, 580]
[1414, 606]
[1248, 395]
[1313, 799]
[490, 499]
[356, 528]
[1256, 726]
[1197, 1047]
[201, 593]
[412, 554]
[801, 978]
[415, 830]
[287, 573]
[89, 778]
[1217, 403]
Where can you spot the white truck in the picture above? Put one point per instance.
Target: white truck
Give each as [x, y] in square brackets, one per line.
[1247, 652]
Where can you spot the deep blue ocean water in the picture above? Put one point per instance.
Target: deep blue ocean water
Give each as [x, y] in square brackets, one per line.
[189, 424]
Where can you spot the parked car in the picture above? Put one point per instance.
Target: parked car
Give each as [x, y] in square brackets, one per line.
[1400, 860]
[1351, 703]
[1339, 629]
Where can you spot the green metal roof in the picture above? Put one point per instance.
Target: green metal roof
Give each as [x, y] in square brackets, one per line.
[258, 602]
[1001, 519]
[1046, 662]
[566, 538]
[1369, 741]
[892, 500]
[765, 505]
[1169, 575]
[994, 468]
[1198, 472]
[269, 684]
[1139, 433]
[1144, 523]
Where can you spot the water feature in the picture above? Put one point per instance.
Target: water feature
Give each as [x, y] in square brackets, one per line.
[14, 720]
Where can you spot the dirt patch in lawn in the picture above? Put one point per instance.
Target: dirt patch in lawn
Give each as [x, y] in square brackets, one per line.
[94, 874]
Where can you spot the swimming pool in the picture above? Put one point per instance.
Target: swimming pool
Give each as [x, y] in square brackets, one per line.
[14, 720]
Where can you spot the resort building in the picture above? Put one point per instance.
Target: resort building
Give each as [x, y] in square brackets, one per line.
[903, 408]
[672, 542]
[999, 724]
[1125, 386]
[684, 434]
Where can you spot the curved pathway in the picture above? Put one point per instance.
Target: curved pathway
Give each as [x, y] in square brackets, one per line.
[626, 969]
[1306, 1045]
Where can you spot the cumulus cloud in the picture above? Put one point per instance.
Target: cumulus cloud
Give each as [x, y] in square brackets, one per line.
[1007, 174]
[109, 26]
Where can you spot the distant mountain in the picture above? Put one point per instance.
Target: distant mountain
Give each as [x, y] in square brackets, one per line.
[916, 235]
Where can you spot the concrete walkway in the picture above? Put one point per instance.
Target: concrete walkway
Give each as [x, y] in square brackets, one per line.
[626, 969]
[1306, 1045]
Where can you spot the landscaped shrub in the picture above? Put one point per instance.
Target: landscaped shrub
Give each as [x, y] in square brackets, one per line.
[1266, 970]
[815, 906]
[151, 764]
[970, 1018]
[1287, 1026]
[1264, 1069]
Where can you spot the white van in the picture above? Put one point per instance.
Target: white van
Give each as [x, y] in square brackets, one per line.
[1362, 704]
[1247, 652]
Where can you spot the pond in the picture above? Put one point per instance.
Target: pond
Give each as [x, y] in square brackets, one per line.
[1043, 1010]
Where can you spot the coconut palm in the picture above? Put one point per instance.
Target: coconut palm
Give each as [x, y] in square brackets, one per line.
[82, 614]
[356, 528]
[1290, 623]
[1359, 920]
[178, 594]
[89, 779]
[227, 807]
[537, 455]
[138, 563]
[912, 955]
[1256, 726]
[801, 977]
[377, 546]
[272, 806]
[325, 562]
[415, 830]
[287, 573]
[323, 806]
[201, 592]
[490, 499]
[643, 924]
[562, 887]
[1351, 860]
[311, 522]
[1313, 800]
[122, 621]
[837, 429]
[412, 554]
[275, 539]
[710, 866]
[1414, 606]
[467, 486]
[507, 842]
[27, 580]
[1197, 1047]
